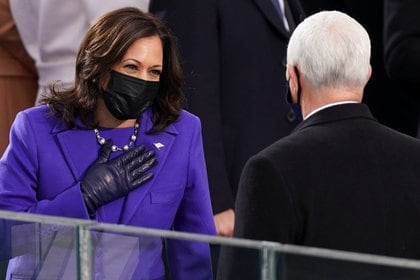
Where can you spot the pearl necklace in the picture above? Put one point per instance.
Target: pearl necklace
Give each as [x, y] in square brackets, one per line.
[115, 148]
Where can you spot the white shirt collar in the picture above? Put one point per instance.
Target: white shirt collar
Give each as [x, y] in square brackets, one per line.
[328, 105]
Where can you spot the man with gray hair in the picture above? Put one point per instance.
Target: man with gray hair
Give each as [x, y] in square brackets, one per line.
[341, 180]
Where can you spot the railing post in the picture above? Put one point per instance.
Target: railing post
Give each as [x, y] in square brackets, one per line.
[268, 263]
[84, 261]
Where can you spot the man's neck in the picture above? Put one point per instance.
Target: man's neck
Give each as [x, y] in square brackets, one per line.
[327, 106]
[316, 100]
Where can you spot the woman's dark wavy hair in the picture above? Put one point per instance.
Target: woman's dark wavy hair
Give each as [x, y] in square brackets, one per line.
[104, 45]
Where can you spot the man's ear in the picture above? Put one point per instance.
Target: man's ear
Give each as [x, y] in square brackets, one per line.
[293, 79]
[369, 73]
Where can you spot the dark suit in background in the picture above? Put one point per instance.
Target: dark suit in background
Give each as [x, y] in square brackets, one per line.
[402, 48]
[387, 100]
[234, 57]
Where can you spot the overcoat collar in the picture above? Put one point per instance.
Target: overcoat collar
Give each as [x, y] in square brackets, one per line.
[335, 113]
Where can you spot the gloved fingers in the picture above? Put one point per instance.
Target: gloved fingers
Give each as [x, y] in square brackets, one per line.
[104, 152]
[144, 167]
[138, 161]
[145, 156]
[146, 177]
[132, 154]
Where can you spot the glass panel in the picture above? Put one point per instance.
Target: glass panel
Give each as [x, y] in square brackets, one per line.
[147, 255]
[126, 256]
[44, 247]
[287, 262]
[39, 251]
[294, 266]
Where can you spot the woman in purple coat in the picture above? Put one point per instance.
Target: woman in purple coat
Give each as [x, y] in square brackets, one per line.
[117, 147]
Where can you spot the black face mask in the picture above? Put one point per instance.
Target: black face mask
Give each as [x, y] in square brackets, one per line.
[295, 106]
[127, 97]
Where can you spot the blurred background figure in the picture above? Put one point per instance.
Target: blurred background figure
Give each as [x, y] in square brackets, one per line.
[402, 51]
[52, 33]
[18, 76]
[390, 104]
[234, 58]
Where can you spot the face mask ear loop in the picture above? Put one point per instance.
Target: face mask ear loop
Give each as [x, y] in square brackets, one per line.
[299, 92]
[294, 106]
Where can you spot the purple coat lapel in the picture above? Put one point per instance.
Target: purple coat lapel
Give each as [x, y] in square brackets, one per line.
[77, 148]
[161, 143]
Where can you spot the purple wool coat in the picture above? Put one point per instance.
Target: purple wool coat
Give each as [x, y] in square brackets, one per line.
[40, 172]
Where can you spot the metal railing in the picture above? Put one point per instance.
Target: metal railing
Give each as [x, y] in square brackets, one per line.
[83, 233]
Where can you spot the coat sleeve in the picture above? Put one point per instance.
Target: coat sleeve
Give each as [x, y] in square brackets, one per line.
[14, 58]
[264, 211]
[19, 178]
[191, 260]
[265, 206]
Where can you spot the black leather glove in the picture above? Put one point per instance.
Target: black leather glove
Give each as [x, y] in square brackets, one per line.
[106, 180]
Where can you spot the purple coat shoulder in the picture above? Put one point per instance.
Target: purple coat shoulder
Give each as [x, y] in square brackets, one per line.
[41, 169]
